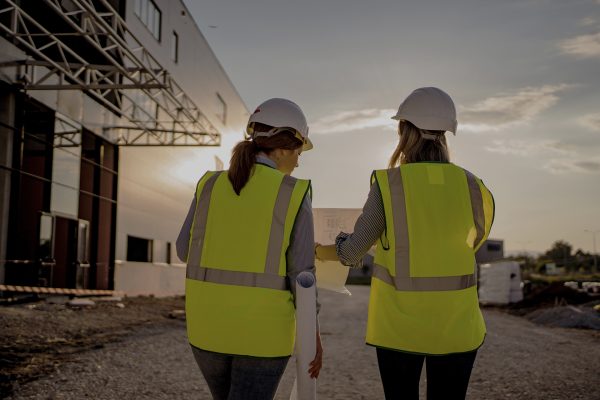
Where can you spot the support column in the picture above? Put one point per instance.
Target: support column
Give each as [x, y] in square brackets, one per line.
[7, 118]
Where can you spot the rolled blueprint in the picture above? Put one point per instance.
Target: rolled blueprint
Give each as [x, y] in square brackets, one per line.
[305, 387]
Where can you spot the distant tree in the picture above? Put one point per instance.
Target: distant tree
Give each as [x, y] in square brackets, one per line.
[584, 261]
[560, 253]
[581, 254]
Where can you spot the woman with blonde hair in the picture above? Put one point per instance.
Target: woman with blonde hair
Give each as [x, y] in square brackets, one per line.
[247, 236]
[428, 217]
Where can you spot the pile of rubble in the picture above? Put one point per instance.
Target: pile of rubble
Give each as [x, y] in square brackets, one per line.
[561, 306]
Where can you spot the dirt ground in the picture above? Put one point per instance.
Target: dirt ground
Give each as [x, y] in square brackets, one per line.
[39, 337]
[137, 348]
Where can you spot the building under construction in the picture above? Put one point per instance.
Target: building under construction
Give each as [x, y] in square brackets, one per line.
[110, 110]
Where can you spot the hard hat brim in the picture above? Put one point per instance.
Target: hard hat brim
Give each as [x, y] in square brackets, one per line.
[308, 145]
[437, 126]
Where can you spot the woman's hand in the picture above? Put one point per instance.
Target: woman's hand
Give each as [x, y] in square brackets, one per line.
[317, 245]
[326, 253]
[317, 363]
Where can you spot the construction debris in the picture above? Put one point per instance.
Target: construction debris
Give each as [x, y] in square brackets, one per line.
[582, 317]
[81, 303]
[177, 314]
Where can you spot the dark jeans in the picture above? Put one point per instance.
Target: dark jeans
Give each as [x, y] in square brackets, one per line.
[447, 376]
[231, 377]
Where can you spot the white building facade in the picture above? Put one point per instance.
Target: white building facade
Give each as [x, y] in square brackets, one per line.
[110, 111]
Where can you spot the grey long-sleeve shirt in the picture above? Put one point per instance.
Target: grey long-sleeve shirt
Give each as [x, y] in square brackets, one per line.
[350, 248]
[300, 254]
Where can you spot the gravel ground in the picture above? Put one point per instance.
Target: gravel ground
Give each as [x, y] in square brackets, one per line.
[518, 360]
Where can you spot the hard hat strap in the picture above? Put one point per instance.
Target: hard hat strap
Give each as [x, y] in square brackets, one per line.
[276, 130]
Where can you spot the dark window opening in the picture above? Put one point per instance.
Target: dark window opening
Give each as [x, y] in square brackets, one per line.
[175, 47]
[494, 247]
[139, 249]
[221, 109]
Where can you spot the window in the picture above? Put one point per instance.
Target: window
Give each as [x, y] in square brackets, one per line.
[221, 109]
[66, 163]
[494, 247]
[46, 234]
[150, 15]
[175, 47]
[139, 249]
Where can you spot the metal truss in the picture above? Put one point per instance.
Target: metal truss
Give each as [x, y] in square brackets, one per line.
[43, 75]
[131, 83]
[66, 135]
[134, 136]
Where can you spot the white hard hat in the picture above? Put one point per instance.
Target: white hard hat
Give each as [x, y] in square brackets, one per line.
[280, 113]
[428, 108]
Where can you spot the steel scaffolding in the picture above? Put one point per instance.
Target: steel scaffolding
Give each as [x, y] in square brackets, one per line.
[131, 84]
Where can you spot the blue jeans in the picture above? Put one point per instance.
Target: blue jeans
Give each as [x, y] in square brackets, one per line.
[232, 377]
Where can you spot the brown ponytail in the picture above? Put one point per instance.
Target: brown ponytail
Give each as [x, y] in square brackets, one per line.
[244, 153]
[243, 159]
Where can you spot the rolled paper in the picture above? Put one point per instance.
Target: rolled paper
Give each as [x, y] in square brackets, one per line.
[306, 328]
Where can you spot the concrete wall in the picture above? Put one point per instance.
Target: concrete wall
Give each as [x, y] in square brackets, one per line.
[156, 185]
[160, 280]
[197, 71]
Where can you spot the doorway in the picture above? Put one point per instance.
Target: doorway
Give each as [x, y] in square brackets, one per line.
[68, 258]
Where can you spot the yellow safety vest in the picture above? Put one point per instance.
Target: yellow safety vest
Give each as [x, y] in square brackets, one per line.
[424, 287]
[237, 297]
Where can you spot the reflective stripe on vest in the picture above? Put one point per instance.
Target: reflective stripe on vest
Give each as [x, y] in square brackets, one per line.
[477, 205]
[403, 281]
[270, 279]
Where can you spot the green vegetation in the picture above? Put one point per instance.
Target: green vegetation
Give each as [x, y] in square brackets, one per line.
[559, 264]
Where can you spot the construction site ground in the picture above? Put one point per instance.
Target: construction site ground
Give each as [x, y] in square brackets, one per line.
[137, 348]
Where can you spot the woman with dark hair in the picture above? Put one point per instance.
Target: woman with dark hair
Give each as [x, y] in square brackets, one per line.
[428, 217]
[248, 234]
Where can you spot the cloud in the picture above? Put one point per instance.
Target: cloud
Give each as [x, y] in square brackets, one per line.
[507, 109]
[592, 166]
[584, 46]
[345, 121]
[495, 113]
[562, 158]
[587, 21]
[530, 148]
[565, 166]
[559, 147]
[590, 121]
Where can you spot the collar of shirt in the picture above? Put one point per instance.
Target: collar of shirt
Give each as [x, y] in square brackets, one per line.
[263, 159]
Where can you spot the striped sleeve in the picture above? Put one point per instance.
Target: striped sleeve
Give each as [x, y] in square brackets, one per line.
[351, 247]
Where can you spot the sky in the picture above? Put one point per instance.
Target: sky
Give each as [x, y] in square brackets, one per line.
[524, 75]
